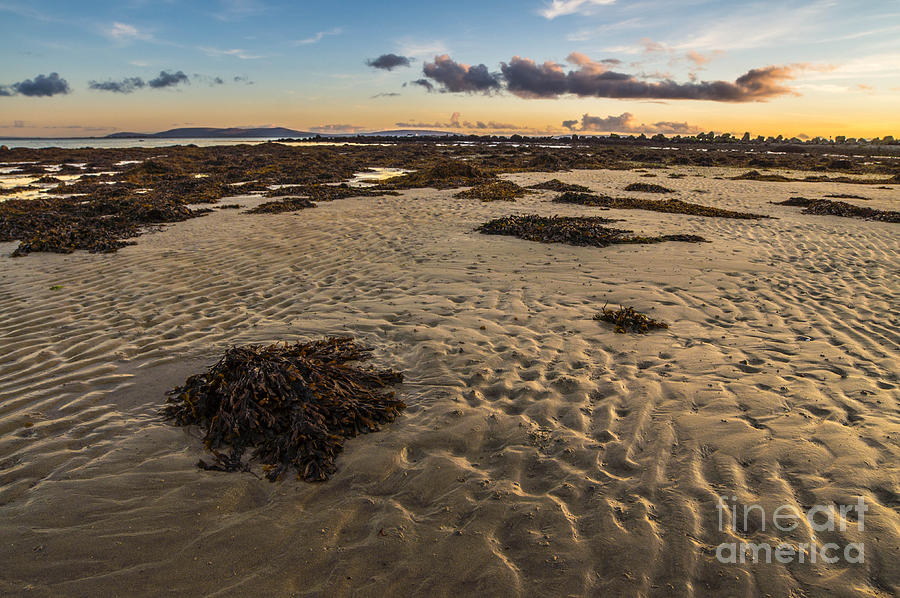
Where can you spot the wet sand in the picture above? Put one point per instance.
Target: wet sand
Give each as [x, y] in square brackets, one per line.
[541, 454]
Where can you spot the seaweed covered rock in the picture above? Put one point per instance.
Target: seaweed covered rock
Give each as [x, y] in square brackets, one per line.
[293, 405]
[668, 206]
[496, 191]
[648, 188]
[558, 185]
[286, 204]
[583, 231]
[627, 319]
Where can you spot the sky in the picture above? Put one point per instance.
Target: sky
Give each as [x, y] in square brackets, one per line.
[796, 68]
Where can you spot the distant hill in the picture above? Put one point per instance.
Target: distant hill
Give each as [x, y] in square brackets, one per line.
[215, 133]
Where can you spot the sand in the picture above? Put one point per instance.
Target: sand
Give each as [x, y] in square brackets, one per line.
[541, 454]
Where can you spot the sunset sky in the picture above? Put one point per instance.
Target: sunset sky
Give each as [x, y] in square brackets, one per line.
[826, 67]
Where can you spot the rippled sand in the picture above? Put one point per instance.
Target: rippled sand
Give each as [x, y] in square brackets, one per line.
[541, 453]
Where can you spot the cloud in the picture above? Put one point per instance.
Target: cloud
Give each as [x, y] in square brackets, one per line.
[233, 10]
[697, 58]
[421, 48]
[422, 83]
[456, 123]
[235, 52]
[387, 94]
[527, 79]
[242, 79]
[453, 124]
[558, 8]
[625, 123]
[457, 77]
[318, 37]
[126, 85]
[389, 62]
[167, 79]
[492, 125]
[337, 129]
[40, 86]
[124, 32]
[209, 80]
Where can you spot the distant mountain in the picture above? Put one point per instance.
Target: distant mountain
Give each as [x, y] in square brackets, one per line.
[215, 133]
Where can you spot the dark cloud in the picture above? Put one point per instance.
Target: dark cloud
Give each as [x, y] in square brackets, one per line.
[126, 85]
[423, 83]
[527, 79]
[457, 77]
[40, 86]
[389, 62]
[243, 79]
[208, 80]
[167, 79]
[387, 94]
[625, 123]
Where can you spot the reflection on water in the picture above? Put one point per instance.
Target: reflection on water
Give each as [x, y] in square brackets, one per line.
[375, 175]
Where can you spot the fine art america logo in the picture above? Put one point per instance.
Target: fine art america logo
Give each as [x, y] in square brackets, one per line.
[738, 518]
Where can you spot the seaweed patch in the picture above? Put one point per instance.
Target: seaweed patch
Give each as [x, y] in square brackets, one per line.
[496, 191]
[582, 231]
[294, 405]
[826, 207]
[627, 319]
[286, 204]
[648, 188]
[558, 185]
[668, 206]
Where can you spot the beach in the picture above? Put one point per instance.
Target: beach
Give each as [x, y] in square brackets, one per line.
[541, 453]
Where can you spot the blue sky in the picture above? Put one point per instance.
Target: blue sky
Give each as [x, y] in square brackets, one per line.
[303, 65]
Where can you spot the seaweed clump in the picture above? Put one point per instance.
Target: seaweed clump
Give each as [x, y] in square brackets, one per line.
[582, 231]
[496, 191]
[648, 188]
[846, 196]
[755, 175]
[101, 225]
[668, 206]
[447, 174]
[558, 185]
[328, 192]
[583, 199]
[293, 404]
[826, 207]
[627, 319]
[286, 204]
